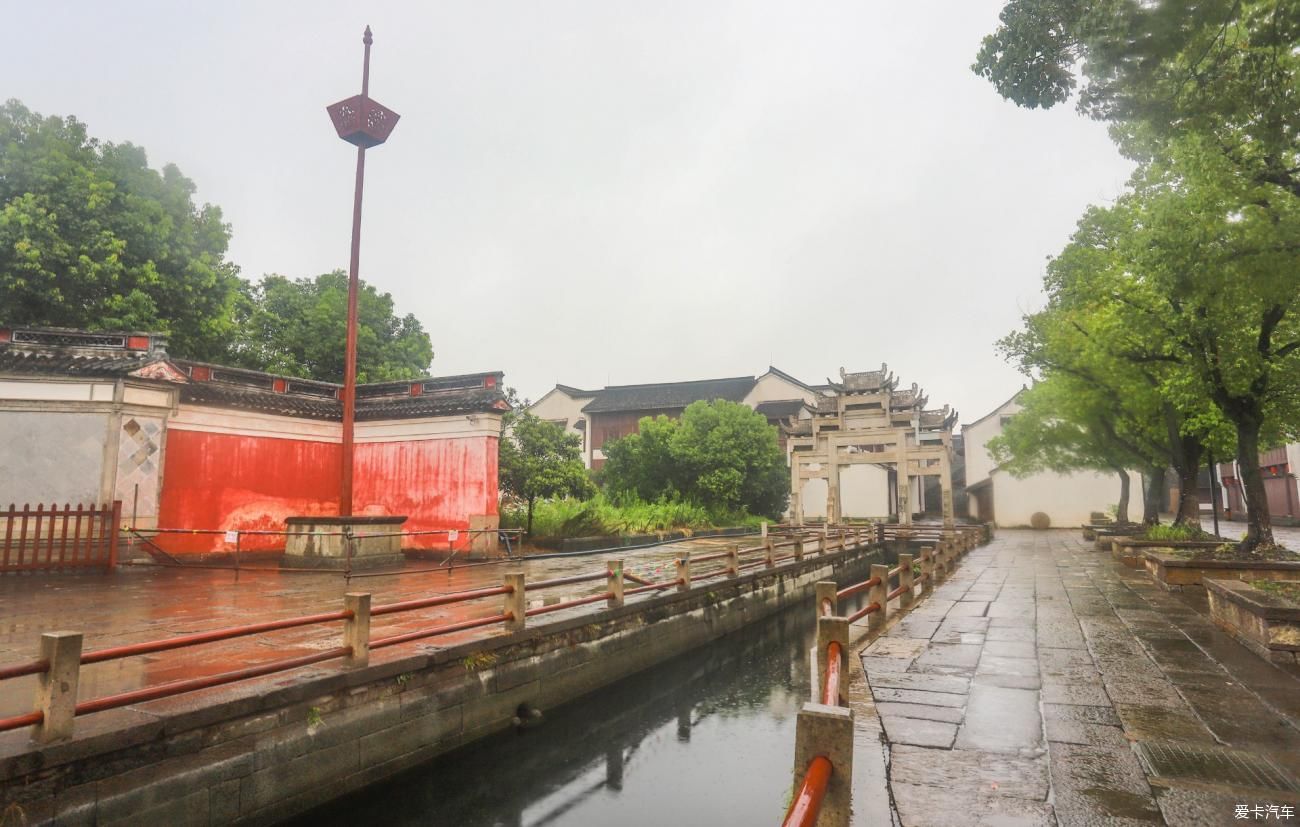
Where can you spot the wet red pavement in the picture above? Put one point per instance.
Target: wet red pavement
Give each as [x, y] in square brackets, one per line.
[144, 603]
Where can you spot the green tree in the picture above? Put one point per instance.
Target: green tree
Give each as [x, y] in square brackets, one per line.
[722, 455]
[1061, 428]
[643, 464]
[91, 237]
[537, 459]
[298, 326]
[1227, 70]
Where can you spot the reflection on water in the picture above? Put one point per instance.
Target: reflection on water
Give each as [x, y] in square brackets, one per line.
[707, 737]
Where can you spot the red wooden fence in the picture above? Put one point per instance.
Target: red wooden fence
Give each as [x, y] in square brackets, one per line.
[80, 537]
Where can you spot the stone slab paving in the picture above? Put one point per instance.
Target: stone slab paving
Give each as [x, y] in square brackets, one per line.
[1016, 693]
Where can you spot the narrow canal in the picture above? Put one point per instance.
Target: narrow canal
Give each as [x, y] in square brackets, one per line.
[705, 738]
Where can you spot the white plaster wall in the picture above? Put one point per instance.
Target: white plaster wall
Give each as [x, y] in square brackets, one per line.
[864, 491]
[813, 499]
[772, 388]
[558, 405]
[978, 462]
[1068, 499]
[50, 456]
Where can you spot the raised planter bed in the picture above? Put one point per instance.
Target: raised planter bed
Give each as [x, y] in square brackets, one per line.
[1175, 571]
[1102, 536]
[1267, 623]
[1130, 550]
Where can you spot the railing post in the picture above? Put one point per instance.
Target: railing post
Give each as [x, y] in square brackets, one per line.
[878, 594]
[684, 572]
[112, 537]
[516, 603]
[56, 690]
[769, 553]
[880, 532]
[927, 569]
[905, 581]
[762, 529]
[733, 560]
[827, 590]
[614, 585]
[356, 629]
[827, 731]
[798, 549]
[832, 629]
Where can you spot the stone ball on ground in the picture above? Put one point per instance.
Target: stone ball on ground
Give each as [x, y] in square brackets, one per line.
[1040, 521]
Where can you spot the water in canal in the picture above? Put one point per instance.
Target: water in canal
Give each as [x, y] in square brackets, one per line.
[705, 738]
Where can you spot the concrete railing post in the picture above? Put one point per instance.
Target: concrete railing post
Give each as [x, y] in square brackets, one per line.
[614, 585]
[798, 549]
[356, 629]
[927, 569]
[832, 629]
[905, 581]
[516, 603]
[769, 553]
[826, 590]
[762, 529]
[878, 594]
[684, 572]
[733, 560]
[56, 691]
[827, 731]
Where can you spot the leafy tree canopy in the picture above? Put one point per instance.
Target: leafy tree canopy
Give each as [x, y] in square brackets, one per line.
[298, 326]
[538, 459]
[1159, 69]
[91, 237]
[720, 454]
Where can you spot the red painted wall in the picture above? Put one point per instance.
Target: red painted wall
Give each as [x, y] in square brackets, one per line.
[226, 482]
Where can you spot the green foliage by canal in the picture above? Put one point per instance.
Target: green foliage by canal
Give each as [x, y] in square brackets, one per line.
[601, 516]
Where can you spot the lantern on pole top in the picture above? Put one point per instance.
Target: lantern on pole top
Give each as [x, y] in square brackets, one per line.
[364, 123]
[359, 120]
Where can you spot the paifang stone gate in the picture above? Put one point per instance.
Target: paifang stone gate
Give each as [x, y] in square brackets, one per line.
[870, 421]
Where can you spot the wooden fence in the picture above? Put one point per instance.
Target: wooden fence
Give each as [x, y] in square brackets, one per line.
[54, 538]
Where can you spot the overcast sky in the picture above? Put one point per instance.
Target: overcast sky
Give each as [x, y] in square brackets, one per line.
[608, 192]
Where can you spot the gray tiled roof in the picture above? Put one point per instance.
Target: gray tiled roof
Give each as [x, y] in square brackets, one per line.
[55, 353]
[781, 408]
[53, 363]
[668, 395]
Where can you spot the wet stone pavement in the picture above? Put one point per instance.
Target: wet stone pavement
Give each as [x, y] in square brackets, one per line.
[143, 603]
[1044, 684]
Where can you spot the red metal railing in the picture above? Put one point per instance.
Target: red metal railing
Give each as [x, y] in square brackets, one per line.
[42, 665]
[807, 803]
[831, 689]
[71, 537]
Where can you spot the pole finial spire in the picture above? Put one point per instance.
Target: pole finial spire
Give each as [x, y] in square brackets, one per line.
[368, 38]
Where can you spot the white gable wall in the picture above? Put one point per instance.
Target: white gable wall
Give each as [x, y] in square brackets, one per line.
[772, 388]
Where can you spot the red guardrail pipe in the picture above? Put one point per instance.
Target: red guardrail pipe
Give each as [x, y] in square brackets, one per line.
[863, 612]
[831, 691]
[857, 588]
[807, 803]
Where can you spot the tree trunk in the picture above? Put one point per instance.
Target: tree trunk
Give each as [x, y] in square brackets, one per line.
[1259, 524]
[529, 530]
[1121, 510]
[1189, 467]
[1152, 493]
